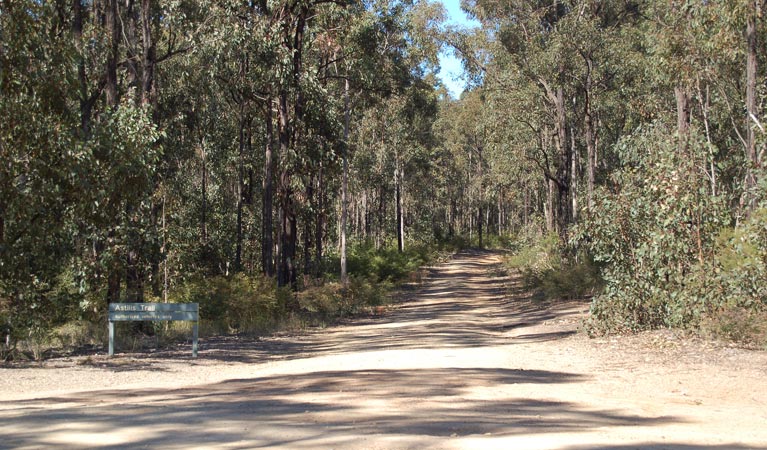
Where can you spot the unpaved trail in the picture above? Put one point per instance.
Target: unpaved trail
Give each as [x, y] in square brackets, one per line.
[462, 364]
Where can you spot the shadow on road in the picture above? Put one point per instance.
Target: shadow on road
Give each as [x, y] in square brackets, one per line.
[256, 412]
[458, 308]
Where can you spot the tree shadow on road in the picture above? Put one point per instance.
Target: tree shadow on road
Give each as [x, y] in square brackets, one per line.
[318, 408]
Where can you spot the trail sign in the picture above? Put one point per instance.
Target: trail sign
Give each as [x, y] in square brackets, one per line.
[137, 312]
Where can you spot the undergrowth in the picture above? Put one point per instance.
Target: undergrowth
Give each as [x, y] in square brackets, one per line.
[240, 304]
[548, 271]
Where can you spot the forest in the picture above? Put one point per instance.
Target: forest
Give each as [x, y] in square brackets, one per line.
[278, 160]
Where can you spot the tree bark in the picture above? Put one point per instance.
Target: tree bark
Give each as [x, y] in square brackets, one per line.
[480, 219]
[381, 215]
[573, 177]
[590, 139]
[751, 105]
[286, 273]
[563, 168]
[549, 207]
[345, 184]
[398, 174]
[320, 222]
[149, 54]
[110, 88]
[682, 96]
[240, 194]
[308, 233]
[204, 193]
[481, 176]
[87, 100]
[267, 243]
[111, 63]
[500, 214]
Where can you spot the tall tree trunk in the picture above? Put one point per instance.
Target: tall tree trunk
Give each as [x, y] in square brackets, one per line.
[573, 177]
[563, 168]
[480, 219]
[113, 32]
[381, 214]
[240, 195]
[308, 232]
[345, 183]
[164, 251]
[549, 206]
[87, 100]
[682, 96]
[286, 273]
[149, 54]
[752, 111]
[480, 172]
[204, 194]
[452, 213]
[398, 173]
[364, 208]
[135, 276]
[110, 88]
[591, 153]
[267, 243]
[288, 135]
[320, 222]
[158, 218]
[500, 215]
[526, 206]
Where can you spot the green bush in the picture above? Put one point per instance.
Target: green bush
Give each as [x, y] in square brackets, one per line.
[740, 270]
[331, 301]
[388, 264]
[546, 270]
[740, 325]
[237, 304]
[653, 230]
[30, 315]
[498, 241]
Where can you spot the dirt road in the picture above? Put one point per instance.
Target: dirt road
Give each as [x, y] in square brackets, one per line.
[462, 364]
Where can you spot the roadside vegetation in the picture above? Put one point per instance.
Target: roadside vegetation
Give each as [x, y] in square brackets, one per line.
[239, 304]
[284, 162]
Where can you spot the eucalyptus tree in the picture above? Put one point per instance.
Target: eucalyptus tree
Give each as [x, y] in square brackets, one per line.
[388, 53]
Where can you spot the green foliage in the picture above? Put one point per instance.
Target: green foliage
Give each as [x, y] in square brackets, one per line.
[741, 325]
[328, 302]
[388, 264]
[237, 304]
[740, 265]
[545, 269]
[654, 233]
[496, 241]
[736, 293]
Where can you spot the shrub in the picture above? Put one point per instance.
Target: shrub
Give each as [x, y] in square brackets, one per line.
[740, 269]
[654, 233]
[736, 324]
[237, 304]
[545, 268]
[328, 302]
[387, 264]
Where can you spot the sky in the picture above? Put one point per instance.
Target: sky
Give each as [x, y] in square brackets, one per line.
[451, 71]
